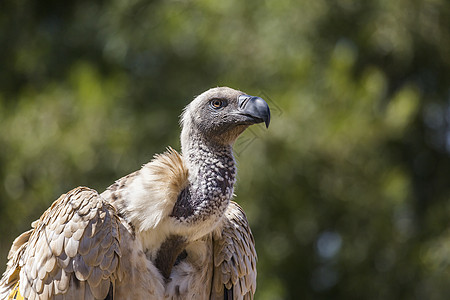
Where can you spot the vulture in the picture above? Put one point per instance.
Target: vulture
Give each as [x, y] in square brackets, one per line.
[166, 231]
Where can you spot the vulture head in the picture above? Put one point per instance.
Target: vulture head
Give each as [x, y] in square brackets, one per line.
[219, 115]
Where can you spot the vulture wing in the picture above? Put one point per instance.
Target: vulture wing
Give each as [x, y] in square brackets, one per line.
[71, 253]
[234, 257]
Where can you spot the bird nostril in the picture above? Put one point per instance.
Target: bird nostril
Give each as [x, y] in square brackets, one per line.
[243, 100]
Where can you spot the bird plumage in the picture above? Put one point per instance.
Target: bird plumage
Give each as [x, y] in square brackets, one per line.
[166, 231]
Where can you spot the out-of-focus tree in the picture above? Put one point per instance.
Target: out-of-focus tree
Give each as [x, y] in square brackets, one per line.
[347, 192]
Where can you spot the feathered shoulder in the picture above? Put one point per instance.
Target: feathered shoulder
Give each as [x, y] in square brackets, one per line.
[147, 196]
[169, 172]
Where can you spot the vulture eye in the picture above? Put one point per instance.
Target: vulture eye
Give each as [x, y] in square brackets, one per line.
[217, 103]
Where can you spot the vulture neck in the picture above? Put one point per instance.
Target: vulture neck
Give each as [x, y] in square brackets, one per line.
[201, 204]
[212, 175]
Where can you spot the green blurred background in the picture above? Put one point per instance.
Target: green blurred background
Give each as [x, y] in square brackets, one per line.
[348, 190]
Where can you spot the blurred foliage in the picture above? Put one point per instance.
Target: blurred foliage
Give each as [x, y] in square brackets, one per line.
[347, 192]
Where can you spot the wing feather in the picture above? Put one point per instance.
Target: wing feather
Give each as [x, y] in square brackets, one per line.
[234, 257]
[72, 252]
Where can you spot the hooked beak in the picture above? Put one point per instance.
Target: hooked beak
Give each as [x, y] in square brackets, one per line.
[254, 108]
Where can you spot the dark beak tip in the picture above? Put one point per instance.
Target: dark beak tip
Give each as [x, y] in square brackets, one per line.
[265, 112]
[267, 117]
